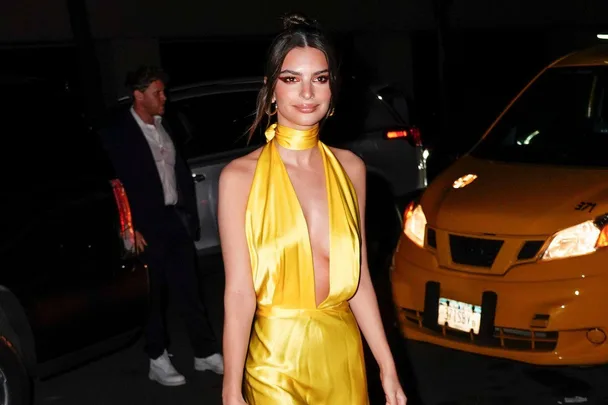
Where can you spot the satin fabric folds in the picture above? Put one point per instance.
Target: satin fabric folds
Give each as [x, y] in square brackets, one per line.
[301, 353]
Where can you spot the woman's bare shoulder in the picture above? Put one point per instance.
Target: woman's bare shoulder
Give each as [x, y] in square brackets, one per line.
[243, 165]
[239, 172]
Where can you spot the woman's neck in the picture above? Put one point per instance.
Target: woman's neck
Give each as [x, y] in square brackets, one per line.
[297, 147]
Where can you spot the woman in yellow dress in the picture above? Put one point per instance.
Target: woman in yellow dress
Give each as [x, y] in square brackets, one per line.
[298, 287]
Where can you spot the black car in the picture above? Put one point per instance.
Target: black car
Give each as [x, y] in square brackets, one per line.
[71, 287]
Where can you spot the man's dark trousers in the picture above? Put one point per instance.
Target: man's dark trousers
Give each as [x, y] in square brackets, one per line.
[171, 260]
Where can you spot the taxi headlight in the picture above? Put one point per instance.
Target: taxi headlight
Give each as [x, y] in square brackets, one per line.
[581, 239]
[414, 223]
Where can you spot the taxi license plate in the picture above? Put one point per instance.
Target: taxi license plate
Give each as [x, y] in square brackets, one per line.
[459, 315]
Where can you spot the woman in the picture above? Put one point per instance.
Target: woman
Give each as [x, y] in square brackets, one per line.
[291, 227]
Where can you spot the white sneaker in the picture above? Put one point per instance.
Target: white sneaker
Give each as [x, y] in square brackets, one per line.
[163, 372]
[215, 363]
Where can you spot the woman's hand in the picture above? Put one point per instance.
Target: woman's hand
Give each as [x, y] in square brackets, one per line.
[392, 389]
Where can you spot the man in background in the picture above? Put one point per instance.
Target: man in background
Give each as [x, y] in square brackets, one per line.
[161, 194]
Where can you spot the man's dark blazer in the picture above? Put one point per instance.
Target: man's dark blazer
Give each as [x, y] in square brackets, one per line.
[134, 164]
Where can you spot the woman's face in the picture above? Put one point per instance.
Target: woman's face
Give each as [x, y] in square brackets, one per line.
[302, 92]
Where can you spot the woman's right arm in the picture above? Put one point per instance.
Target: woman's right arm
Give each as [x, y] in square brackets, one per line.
[239, 295]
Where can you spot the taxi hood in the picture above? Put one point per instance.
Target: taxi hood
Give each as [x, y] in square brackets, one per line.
[515, 198]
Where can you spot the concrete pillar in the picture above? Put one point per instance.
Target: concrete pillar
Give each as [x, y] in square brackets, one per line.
[119, 56]
[88, 65]
[389, 56]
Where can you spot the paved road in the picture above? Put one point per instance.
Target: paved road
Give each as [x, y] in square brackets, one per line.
[435, 374]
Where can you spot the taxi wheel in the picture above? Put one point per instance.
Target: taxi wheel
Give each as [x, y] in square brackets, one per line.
[15, 383]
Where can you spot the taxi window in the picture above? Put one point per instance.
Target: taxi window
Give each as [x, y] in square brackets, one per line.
[561, 119]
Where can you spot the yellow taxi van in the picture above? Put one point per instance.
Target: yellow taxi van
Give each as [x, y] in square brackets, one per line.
[505, 254]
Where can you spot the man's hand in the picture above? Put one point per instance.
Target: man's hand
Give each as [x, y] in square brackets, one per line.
[140, 242]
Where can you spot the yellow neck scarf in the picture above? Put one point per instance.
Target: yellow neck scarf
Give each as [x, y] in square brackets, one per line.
[293, 139]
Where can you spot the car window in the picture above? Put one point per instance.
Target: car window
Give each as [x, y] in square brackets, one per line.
[214, 123]
[396, 101]
[561, 119]
[45, 134]
[361, 112]
[50, 160]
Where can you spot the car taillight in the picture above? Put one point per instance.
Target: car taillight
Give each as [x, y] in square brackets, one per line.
[127, 232]
[411, 134]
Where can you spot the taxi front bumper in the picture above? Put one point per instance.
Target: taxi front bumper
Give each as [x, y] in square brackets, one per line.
[524, 318]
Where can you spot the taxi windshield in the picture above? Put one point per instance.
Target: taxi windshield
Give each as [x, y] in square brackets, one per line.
[561, 119]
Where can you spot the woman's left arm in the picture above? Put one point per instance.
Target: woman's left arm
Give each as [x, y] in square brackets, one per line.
[364, 304]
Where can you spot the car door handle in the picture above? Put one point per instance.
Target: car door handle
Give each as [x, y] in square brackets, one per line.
[198, 177]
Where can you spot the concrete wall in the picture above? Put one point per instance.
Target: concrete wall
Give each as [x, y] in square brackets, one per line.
[118, 56]
[503, 13]
[33, 20]
[178, 18]
[128, 32]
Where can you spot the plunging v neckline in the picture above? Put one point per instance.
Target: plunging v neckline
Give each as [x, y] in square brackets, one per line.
[302, 218]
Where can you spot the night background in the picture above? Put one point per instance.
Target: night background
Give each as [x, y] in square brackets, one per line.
[458, 61]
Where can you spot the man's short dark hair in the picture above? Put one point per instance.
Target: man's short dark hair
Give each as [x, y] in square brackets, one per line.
[141, 78]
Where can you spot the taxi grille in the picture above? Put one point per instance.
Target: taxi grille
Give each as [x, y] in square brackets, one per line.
[530, 249]
[474, 251]
[505, 338]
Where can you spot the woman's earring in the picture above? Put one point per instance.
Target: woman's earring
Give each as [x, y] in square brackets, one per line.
[271, 111]
[331, 112]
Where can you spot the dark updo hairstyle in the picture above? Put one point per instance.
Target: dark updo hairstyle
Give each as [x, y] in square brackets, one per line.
[298, 32]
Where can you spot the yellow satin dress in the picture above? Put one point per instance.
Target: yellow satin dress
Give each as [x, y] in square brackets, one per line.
[301, 353]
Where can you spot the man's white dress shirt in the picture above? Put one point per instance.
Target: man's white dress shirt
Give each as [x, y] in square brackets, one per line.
[164, 154]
